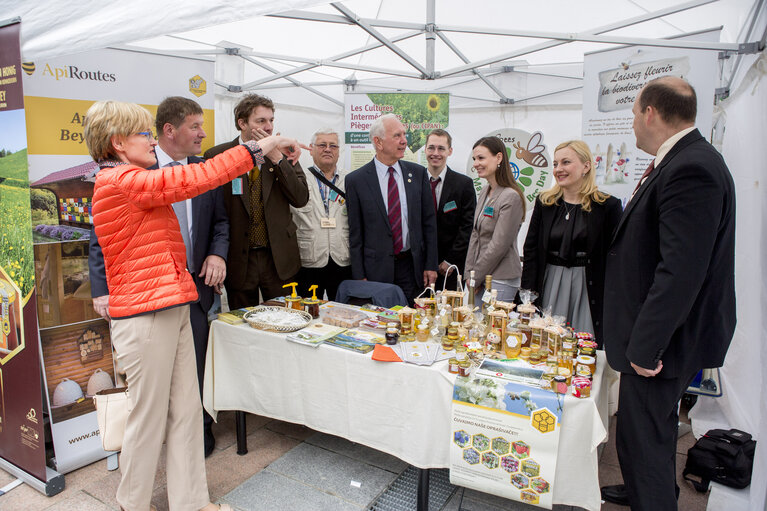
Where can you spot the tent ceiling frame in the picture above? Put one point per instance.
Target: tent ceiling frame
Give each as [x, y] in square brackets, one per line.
[432, 31]
[599, 30]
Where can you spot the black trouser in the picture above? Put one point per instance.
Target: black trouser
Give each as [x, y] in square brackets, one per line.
[404, 276]
[327, 279]
[646, 436]
[261, 274]
[199, 320]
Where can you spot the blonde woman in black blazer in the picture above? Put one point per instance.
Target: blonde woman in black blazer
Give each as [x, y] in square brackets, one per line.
[566, 245]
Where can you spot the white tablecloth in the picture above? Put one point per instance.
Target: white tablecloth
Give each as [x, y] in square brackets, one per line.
[398, 408]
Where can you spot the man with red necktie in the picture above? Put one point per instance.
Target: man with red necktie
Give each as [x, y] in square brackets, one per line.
[392, 223]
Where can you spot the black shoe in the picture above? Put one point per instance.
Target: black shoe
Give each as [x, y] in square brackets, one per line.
[616, 494]
[210, 442]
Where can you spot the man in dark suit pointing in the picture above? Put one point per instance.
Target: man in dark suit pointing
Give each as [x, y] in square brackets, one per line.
[669, 288]
[392, 225]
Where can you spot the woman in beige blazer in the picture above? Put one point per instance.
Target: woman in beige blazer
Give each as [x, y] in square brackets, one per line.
[500, 211]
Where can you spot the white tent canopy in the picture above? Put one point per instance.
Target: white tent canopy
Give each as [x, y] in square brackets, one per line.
[513, 64]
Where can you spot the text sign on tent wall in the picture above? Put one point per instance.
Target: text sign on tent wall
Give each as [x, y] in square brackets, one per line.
[76, 344]
[419, 112]
[612, 80]
[22, 438]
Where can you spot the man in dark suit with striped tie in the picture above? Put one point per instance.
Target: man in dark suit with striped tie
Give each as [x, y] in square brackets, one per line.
[392, 224]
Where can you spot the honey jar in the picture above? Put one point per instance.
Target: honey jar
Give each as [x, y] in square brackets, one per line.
[452, 365]
[464, 368]
[559, 384]
[513, 344]
[527, 332]
[460, 352]
[422, 335]
[392, 336]
[524, 353]
[590, 362]
[447, 343]
[581, 387]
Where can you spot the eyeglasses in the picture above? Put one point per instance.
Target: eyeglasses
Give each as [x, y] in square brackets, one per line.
[323, 146]
[148, 134]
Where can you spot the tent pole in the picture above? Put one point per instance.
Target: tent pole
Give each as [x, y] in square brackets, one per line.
[759, 7]
[479, 73]
[335, 18]
[430, 37]
[380, 37]
[294, 81]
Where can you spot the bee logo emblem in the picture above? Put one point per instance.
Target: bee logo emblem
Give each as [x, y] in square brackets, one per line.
[197, 85]
[532, 153]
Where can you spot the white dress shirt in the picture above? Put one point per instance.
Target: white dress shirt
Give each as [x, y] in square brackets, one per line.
[383, 181]
[162, 160]
[438, 188]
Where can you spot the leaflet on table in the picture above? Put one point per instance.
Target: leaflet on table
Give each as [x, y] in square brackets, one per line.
[234, 317]
[421, 353]
[504, 439]
[315, 334]
[356, 340]
[512, 370]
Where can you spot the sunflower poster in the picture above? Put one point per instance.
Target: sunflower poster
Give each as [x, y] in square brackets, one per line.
[420, 112]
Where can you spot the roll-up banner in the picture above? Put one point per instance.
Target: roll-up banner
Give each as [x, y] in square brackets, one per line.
[22, 437]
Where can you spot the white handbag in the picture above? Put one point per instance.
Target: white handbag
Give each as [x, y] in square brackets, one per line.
[112, 409]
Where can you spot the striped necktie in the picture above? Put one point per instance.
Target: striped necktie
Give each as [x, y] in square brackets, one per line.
[395, 213]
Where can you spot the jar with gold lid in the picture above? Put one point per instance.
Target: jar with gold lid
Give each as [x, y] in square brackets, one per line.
[452, 365]
[422, 335]
[464, 368]
[447, 343]
[461, 352]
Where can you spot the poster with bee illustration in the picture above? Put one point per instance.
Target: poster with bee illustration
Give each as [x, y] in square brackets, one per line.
[612, 81]
[529, 160]
[505, 438]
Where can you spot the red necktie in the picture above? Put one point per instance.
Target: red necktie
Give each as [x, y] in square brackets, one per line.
[434, 183]
[395, 213]
[650, 168]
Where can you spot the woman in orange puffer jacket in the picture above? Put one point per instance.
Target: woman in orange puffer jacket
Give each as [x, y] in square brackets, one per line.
[149, 293]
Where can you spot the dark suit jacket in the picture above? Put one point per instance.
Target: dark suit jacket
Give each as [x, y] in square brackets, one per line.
[670, 278]
[282, 186]
[211, 237]
[600, 224]
[454, 227]
[370, 238]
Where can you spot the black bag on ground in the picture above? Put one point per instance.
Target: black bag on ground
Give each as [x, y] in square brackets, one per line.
[723, 456]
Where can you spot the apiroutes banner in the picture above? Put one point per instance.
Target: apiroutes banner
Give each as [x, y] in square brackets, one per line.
[419, 112]
[505, 438]
[76, 345]
[22, 438]
[529, 159]
[612, 80]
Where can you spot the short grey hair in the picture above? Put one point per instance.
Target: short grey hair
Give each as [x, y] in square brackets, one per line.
[325, 131]
[377, 127]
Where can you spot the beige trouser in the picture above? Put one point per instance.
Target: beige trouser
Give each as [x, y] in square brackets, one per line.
[157, 353]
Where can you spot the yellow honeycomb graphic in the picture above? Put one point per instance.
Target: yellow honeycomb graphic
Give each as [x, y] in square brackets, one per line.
[543, 420]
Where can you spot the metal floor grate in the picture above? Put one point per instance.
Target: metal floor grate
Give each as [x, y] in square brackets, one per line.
[401, 495]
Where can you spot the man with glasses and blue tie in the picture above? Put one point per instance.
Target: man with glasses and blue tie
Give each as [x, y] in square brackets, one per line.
[203, 223]
[323, 227]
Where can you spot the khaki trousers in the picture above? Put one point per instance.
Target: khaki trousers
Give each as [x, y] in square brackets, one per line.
[157, 353]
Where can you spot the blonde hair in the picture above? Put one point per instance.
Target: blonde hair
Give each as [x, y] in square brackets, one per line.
[105, 119]
[589, 191]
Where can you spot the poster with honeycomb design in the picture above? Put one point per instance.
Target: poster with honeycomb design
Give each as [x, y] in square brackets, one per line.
[505, 438]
